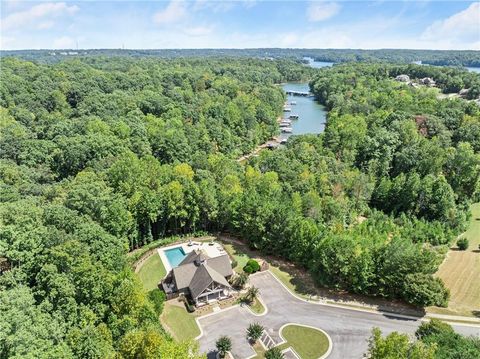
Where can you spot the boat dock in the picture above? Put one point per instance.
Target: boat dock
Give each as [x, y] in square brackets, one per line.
[298, 93]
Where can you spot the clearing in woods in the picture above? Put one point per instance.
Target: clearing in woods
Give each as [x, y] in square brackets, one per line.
[461, 272]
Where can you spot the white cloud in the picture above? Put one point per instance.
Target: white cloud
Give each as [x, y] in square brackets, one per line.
[199, 30]
[462, 27]
[39, 12]
[64, 42]
[45, 25]
[321, 10]
[174, 12]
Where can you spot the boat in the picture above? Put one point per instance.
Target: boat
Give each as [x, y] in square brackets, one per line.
[285, 125]
[287, 129]
[285, 120]
[287, 109]
[293, 117]
[293, 102]
[283, 141]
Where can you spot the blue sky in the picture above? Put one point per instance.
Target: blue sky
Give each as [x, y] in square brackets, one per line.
[240, 24]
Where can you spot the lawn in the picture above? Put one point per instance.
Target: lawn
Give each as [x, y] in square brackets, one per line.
[242, 254]
[180, 323]
[461, 272]
[238, 254]
[151, 272]
[309, 343]
[257, 306]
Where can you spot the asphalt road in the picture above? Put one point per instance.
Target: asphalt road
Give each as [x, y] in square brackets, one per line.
[348, 329]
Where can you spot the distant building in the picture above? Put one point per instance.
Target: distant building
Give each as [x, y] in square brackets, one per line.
[402, 78]
[428, 81]
[464, 92]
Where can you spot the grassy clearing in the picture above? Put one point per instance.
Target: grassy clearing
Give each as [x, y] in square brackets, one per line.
[239, 254]
[461, 272]
[152, 272]
[309, 343]
[180, 323]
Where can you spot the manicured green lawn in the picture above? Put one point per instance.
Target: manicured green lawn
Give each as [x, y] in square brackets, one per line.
[257, 307]
[152, 272]
[239, 255]
[309, 343]
[181, 324]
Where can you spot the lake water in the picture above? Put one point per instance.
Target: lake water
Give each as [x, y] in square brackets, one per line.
[311, 115]
[474, 69]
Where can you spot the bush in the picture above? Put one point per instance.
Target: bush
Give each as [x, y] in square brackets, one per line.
[190, 307]
[223, 344]
[274, 353]
[234, 263]
[424, 290]
[248, 269]
[157, 297]
[462, 244]
[252, 266]
[254, 332]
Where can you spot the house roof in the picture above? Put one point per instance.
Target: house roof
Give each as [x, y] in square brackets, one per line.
[196, 272]
[196, 255]
[204, 276]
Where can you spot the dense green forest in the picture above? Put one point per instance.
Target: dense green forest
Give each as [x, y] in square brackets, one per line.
[99, 156]
[434, 340]
[430, 57]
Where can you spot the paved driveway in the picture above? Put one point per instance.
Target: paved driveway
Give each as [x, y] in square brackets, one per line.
[348, 329]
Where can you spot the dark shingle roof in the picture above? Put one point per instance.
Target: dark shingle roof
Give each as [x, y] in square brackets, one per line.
[200, 271]
[196, 255]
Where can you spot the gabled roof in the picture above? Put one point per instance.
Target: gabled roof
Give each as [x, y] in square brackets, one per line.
[221, 264]
[196, 272]
[204, 276]
[196, 255]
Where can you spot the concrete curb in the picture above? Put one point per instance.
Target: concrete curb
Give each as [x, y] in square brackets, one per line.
[264, 306]
[330, 343]
[373, 311]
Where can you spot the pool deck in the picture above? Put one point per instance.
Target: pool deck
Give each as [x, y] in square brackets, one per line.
[212, 251]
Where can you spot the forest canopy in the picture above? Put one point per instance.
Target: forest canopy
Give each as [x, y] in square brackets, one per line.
[99, 156]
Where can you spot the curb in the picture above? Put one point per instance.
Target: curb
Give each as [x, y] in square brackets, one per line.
[330, 343]
[373, 311]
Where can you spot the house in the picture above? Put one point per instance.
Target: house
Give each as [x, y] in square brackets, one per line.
[428, 81]
[200, 277]
[402, 78]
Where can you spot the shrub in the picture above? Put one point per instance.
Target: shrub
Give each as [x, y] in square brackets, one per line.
[248, 269]
[190, 307]
[234, 263]
[424, 290]
[157, 297]
[223, 344]
[274, 353]
[254, 332]
[240, 280]
[462, 244]
[252, 266]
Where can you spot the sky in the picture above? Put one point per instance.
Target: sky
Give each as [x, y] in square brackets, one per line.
[240, 24]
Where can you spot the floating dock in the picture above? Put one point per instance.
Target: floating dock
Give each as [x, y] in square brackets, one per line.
[298, 93]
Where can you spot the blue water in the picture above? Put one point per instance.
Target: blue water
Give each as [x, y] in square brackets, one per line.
[175, 256]
[311, 115]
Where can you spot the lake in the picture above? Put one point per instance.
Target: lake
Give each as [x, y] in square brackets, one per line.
[311, 115]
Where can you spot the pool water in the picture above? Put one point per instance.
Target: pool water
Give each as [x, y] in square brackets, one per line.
[175, 256]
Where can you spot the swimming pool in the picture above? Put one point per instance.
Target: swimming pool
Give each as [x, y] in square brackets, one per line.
[175, 256]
